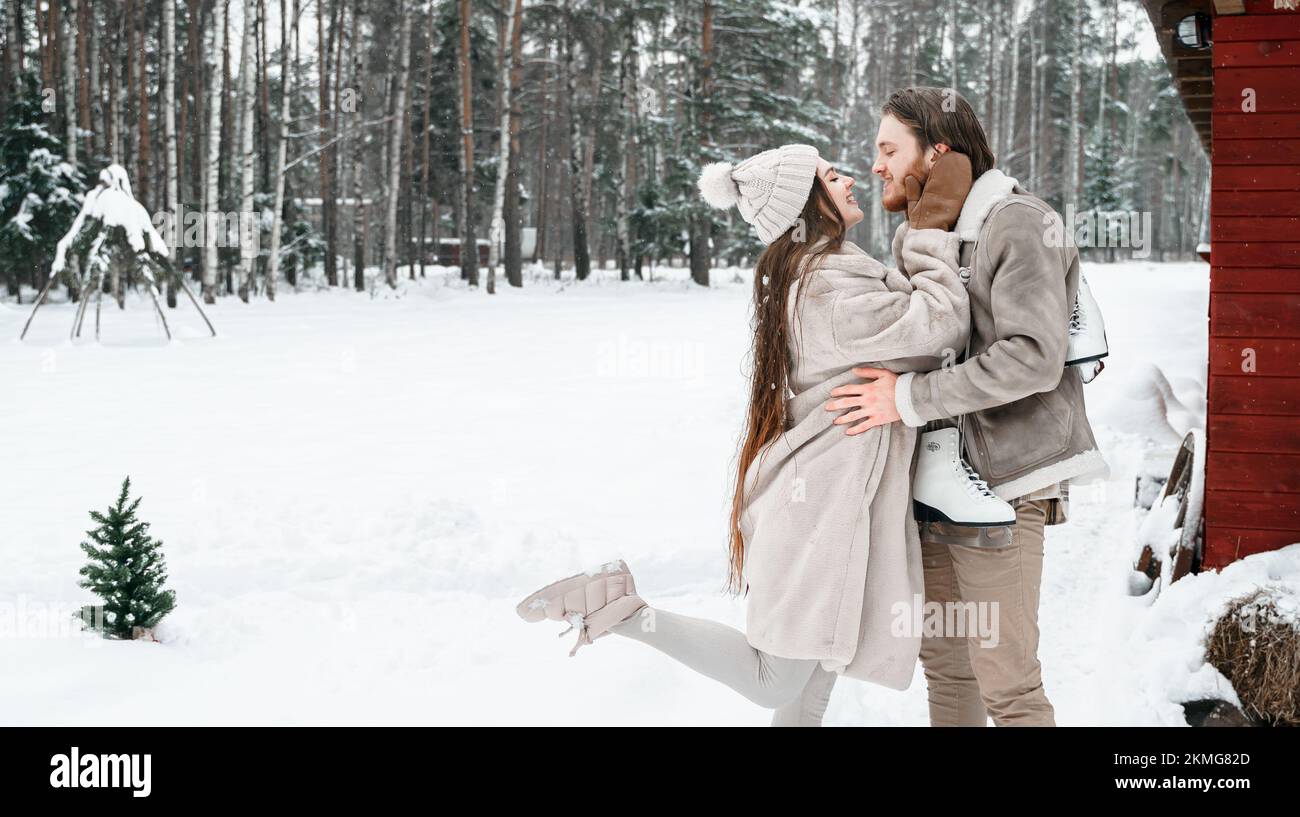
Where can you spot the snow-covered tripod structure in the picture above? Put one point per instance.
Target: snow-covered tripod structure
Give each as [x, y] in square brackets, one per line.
[112, 235]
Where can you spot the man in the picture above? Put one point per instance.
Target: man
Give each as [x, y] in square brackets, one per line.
[1021, 411]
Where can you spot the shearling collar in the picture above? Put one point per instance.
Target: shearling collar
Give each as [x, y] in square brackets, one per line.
[987, 191]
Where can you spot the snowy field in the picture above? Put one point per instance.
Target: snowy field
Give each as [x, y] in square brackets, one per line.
[355, 491]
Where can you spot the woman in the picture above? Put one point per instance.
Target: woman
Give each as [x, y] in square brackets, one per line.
[810, 502]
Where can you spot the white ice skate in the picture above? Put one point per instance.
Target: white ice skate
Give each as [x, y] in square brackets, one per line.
[1087, 330]
[946, 489]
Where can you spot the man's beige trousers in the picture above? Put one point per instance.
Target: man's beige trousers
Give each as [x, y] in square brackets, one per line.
[967, 678]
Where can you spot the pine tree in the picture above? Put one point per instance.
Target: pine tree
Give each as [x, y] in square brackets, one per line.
[40, 191]
[126, 570]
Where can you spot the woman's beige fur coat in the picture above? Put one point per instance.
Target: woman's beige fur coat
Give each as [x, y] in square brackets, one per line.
[832, 555]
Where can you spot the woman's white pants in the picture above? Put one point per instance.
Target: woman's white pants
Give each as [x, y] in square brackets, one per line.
[798, 689]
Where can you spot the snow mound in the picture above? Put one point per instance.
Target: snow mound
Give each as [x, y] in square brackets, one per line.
[1149, 407]
[1167, 647]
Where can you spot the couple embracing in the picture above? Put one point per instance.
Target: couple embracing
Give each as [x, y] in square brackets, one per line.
[910, 432]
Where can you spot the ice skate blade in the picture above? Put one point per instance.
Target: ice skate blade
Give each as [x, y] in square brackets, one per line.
[924, 513]
[1089, 359]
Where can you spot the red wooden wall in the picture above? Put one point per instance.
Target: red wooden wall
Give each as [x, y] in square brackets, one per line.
[1252, 500]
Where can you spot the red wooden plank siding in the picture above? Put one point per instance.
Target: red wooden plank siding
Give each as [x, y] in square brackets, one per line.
[1235, 357]
[1255, 201]
[1255, 228]
[1247, 522]
[1257, 254]
[1232, 125]
[1251, 511]
[1254, 28]
[1269, 150]
[1255, 279]
[1257, 178]
[1260, 315]
[1248, 54]
[1252, 501]
[1224, 545]
[1274, 473]
[1274, 433]
[1253, 395]
[1275, 89]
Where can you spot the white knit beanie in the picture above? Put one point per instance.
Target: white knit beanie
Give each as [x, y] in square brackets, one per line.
[769, 188]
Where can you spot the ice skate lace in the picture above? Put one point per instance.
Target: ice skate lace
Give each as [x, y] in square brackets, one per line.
[1078, 321]
[976, 486]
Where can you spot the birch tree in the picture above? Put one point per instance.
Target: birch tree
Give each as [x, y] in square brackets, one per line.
[212, 166]
[70, 82]
[513, 237]
[171, 205]
[465, 156]
[325, 158]
[699, 238]
[627, 78]
[1075, 147]
[578, 198]
[395, 147]
[14, 37]
[143, 151]
[497, 232]
[282, 150]
[425, 138]
[169, 110]
[247, 243]
[360, 224]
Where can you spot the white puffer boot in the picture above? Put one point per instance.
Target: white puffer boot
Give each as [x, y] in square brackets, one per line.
[592, 601]
[946, 489]
[1087, 329]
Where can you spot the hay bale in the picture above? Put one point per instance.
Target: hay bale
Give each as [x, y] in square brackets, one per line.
[1256, 645]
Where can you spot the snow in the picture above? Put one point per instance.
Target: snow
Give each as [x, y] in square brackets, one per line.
[44, 170]
[23, 218]
[112, 203]
[353, 492]
[1165, 652]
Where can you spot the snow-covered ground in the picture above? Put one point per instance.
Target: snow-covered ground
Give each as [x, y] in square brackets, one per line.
[355, 491]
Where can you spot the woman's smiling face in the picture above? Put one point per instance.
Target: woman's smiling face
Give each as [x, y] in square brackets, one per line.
[840, 187]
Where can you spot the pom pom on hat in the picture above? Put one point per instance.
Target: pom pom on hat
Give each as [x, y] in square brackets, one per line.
[717, 187]
[769, 188]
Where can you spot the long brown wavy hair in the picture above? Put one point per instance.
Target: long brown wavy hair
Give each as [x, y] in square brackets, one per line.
[781, 265]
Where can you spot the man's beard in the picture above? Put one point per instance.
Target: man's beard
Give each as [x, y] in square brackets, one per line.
[894, 199]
